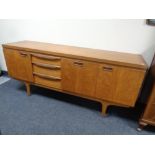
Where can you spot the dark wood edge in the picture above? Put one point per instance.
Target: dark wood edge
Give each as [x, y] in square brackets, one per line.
[147, 121]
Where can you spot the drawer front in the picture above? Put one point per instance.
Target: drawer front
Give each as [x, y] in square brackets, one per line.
[46, 81]
[51, 70]
[45, 59]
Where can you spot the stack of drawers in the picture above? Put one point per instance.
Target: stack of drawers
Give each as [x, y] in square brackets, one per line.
[47, 70]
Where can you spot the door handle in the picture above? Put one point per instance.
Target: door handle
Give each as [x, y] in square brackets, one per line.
[107, 68]
[23, 54]
[78, 63]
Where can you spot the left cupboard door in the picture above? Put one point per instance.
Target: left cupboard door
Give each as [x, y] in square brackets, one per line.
[18, 64]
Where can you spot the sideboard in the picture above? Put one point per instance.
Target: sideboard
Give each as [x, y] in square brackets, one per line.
[148, 117]
[112, 78]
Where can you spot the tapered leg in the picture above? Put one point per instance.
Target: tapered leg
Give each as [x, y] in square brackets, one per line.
[141, 125]
[28, 88]
[104, 108]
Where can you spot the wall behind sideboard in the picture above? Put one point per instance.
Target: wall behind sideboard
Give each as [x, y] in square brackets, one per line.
[129, 35]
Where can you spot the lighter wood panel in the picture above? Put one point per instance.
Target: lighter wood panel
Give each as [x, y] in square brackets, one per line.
[47, 71]
[106, 82]
[19, 64]
[129, 83]
[79, 76]
[46, 60]
[47, 82]
[119, 85]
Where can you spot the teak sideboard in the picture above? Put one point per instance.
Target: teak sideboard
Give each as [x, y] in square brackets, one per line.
[113, 78]
[148, 117]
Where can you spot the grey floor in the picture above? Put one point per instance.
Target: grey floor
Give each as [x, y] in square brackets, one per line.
[4, 79]
[49, 112]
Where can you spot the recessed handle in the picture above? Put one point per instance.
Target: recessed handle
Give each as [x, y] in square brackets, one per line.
[47, 76]
[47, 66]
[23, 54]
[78, 63]
[107, 68]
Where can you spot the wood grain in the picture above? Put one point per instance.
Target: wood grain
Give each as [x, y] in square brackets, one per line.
[112, 78]
[148, 117]
[19, 64]
[47, 71]
[41, 60]
[79, 76]
[47, 81]
[105, 56]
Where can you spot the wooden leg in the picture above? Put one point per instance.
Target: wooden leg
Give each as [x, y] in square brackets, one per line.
[28, 88]
[141, 125]
[104, 108]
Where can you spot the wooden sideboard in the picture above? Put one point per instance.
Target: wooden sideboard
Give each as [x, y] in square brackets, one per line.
[148, 117]
[113, 78]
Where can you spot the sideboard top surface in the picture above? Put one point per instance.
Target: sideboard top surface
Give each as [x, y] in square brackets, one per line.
[111, 57]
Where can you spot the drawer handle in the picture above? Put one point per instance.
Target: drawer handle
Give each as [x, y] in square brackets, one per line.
[107, 69]
[47, 77]
[46, 57]
[23, 54]
[78, 63]
[47, 66]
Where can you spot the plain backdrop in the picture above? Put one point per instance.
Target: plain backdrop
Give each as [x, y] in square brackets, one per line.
[123, 35]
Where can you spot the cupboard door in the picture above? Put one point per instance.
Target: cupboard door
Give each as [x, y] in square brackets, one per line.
[79, 76]
[106, 82]
[119, 84]
[129, 82]
[18, 64]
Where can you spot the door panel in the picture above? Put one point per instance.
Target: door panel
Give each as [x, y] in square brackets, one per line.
[79, 76]
[106, 82]
[129, 82]
[119, 84]
[19, 64]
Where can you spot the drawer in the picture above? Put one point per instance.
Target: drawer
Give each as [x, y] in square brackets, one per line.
[46, 59]
[48, 81]
[50, 70]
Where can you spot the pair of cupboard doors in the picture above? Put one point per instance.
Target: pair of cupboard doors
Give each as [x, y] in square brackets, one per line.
[112, 83]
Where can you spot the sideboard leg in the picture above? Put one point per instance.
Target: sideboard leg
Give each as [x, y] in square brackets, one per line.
[141, 125]
[104, 108]
[28, 88]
